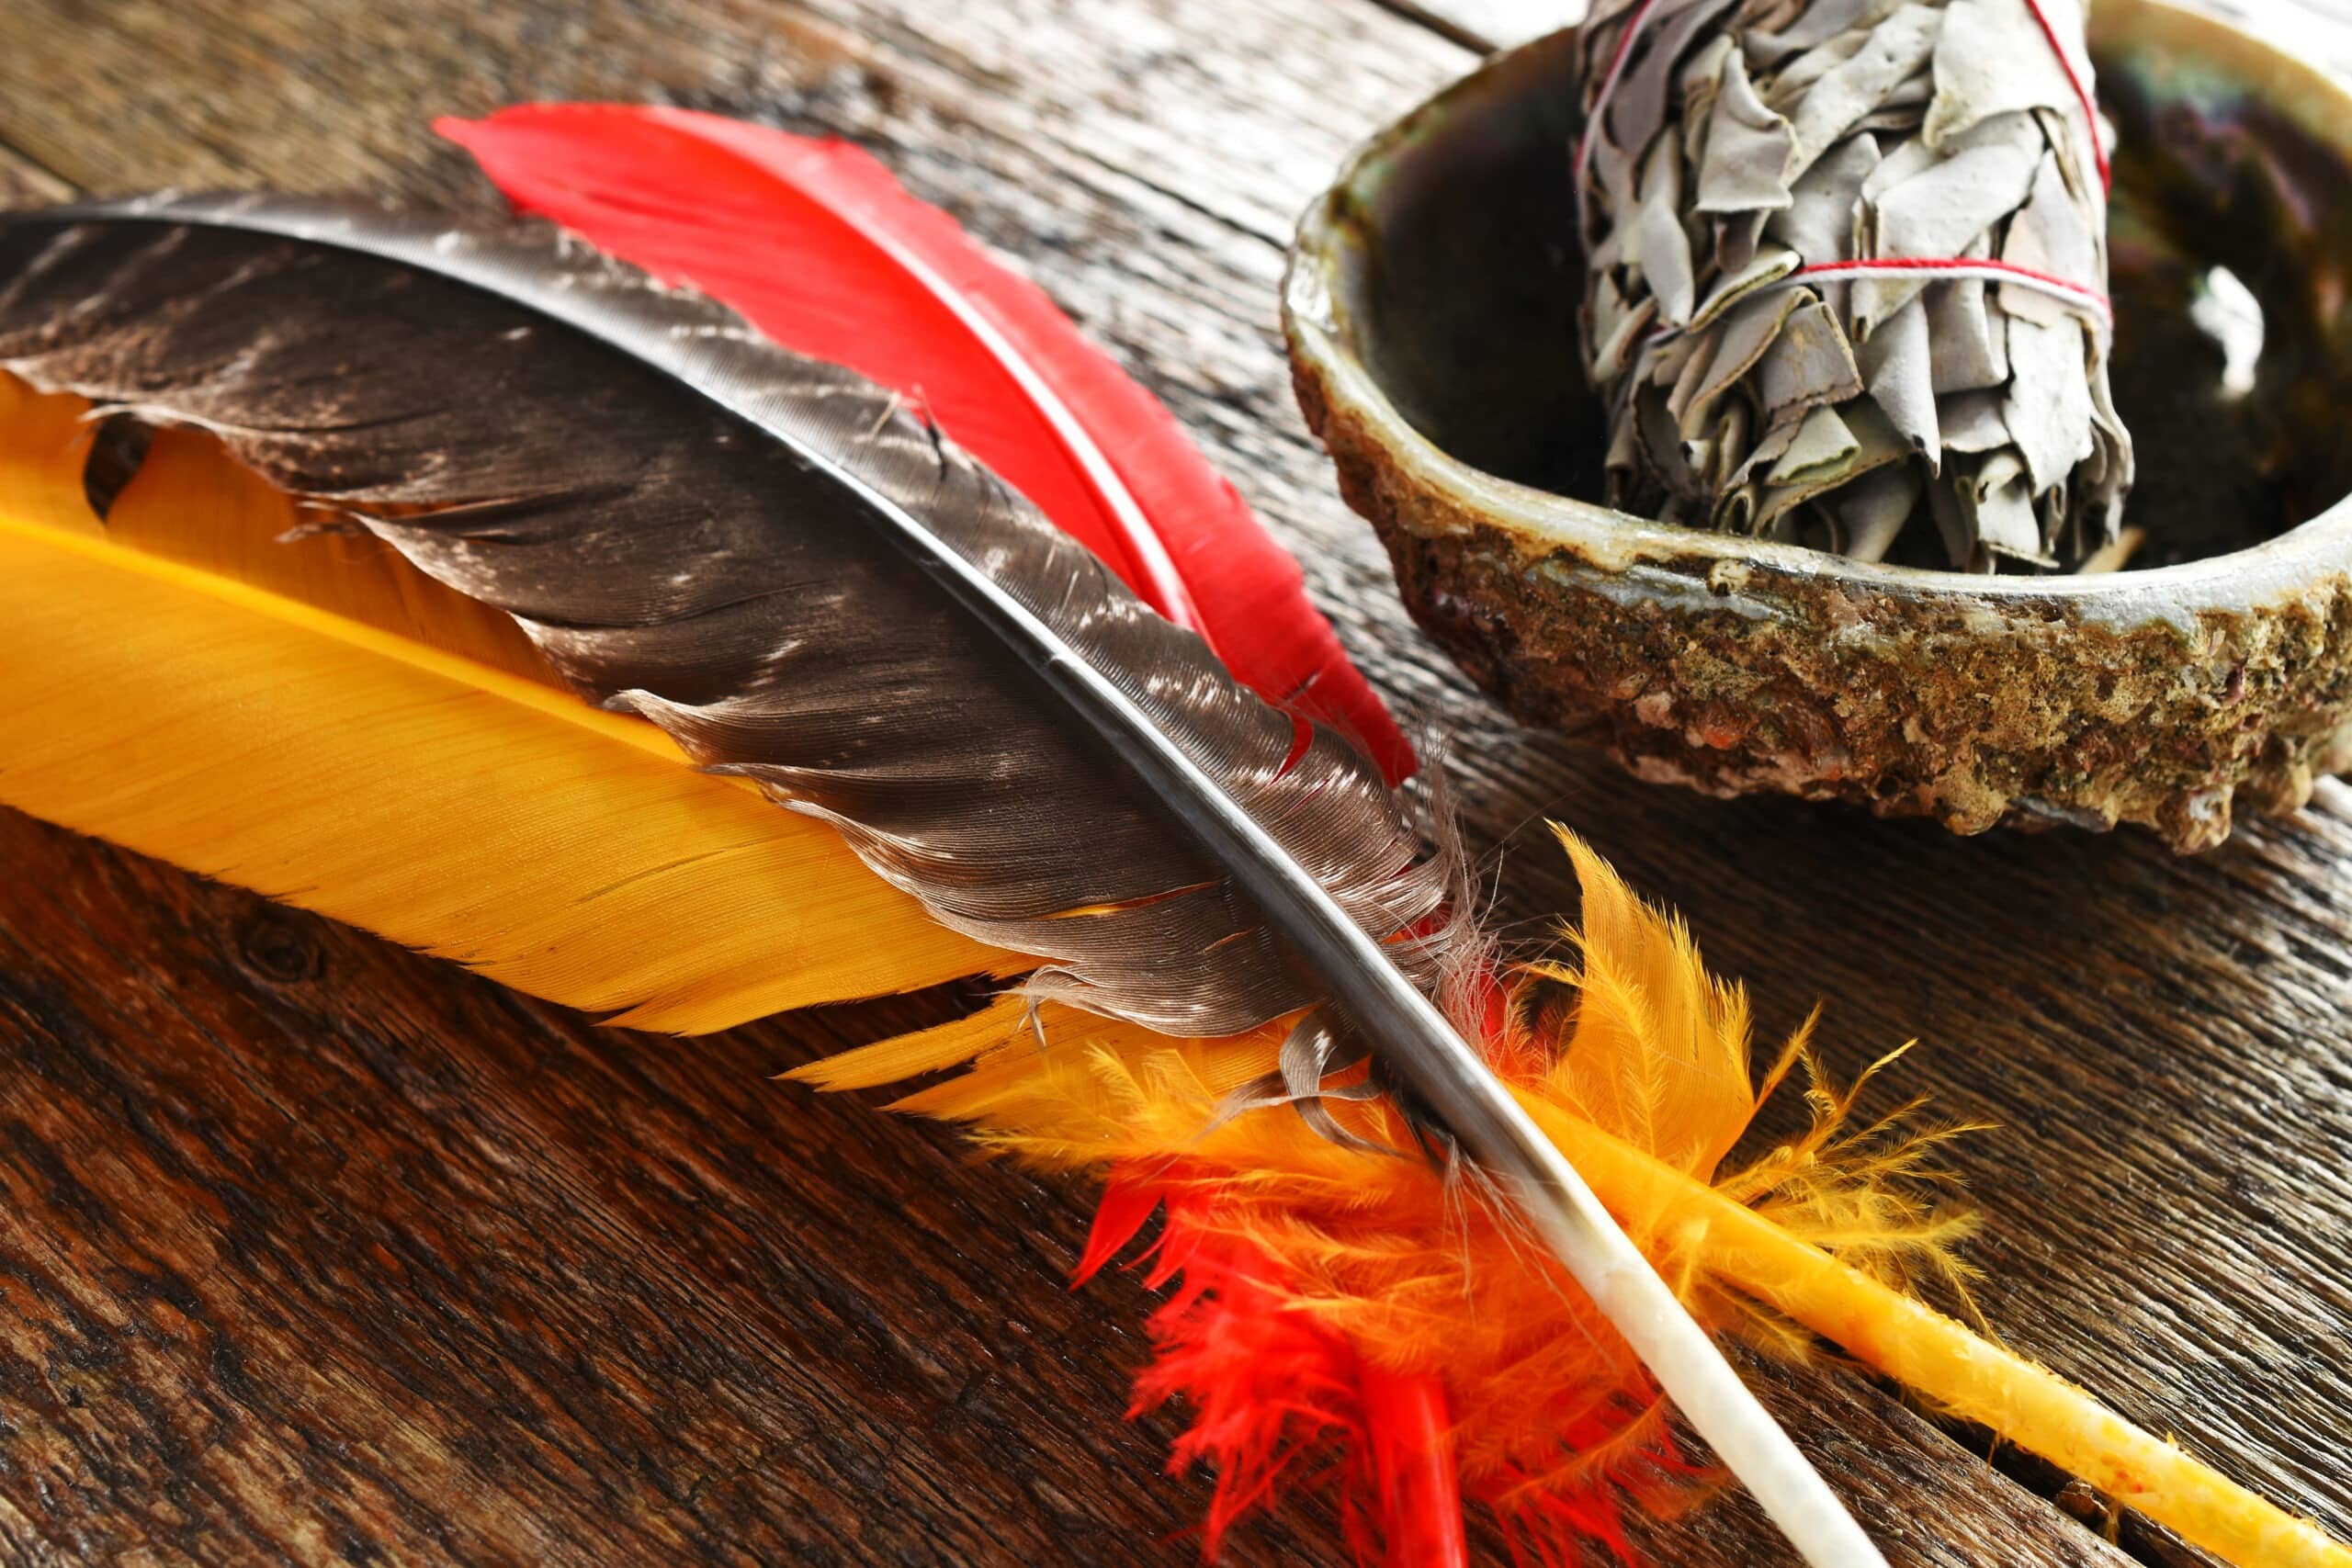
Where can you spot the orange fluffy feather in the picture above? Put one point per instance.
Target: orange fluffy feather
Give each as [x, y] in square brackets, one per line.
[1308, 1265]
[1319, 1281]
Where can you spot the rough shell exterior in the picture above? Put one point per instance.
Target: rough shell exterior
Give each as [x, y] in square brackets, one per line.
[1733, 677]
[2169, 699]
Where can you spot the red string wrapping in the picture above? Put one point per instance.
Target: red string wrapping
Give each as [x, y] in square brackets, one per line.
[2091, 300]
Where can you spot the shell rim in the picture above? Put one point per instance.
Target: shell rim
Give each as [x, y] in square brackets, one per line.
[1322, 348]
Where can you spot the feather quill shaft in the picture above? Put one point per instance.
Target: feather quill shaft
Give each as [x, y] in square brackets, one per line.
[1444, 1073]
[675, 589]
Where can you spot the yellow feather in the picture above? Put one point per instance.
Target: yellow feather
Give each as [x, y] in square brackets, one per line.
[43, 443]
[913, 1055]
[1661, 1045]
[191, 502]
[192, 709]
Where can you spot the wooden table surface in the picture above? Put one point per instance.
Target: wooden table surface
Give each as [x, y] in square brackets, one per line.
[314, 1250]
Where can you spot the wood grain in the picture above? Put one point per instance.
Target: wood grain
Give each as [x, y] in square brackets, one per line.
[315, 1248]
[1488, 25]
[24, 183]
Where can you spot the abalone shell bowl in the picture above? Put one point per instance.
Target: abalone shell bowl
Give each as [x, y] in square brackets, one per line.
[1431, 310]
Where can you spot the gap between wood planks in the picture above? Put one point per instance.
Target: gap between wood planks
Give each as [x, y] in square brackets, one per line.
[1447, 28]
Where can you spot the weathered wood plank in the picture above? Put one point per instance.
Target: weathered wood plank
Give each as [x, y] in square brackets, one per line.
[309, 1247]
[24, 183]
[312, 1247]
[1488, 25]
[2162, 1039]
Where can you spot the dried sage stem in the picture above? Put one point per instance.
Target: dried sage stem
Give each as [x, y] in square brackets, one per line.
[1847, 275]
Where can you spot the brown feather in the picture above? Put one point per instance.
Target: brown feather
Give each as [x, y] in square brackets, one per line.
[670, 558]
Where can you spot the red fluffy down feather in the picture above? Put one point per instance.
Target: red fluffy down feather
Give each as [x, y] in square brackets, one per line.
[820, 247]
[1278, 1401]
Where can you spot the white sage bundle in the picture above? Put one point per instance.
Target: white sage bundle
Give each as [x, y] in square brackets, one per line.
[1847, 275]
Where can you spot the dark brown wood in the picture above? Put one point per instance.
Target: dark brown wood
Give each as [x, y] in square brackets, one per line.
[312, 1249]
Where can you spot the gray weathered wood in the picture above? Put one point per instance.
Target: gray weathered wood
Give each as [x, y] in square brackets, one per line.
[1487, 25]
[24, 183]
[2164, 1041]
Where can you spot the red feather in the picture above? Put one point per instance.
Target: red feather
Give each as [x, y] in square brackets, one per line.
[1279, 1400]
[1412, 1461]
[827, 254]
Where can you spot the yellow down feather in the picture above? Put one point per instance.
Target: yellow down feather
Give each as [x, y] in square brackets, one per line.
[398, 759]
